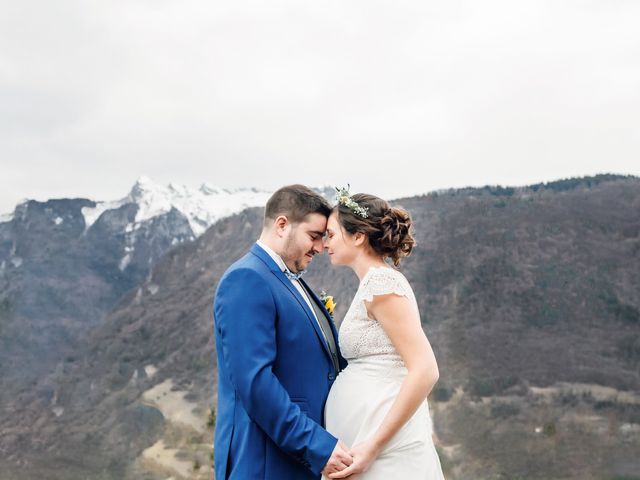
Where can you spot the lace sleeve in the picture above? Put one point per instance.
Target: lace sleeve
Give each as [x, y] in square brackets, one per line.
[382, 281]
[361, 336]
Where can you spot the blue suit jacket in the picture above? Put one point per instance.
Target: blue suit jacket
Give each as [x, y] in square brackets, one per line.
[274, 375]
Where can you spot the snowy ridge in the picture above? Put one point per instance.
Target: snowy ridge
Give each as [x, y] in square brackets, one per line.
[202, 207]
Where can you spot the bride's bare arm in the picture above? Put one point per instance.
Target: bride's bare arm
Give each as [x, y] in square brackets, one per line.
[401, 322]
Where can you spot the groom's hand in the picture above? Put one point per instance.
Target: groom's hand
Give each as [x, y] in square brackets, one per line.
[363, 456]
[339, 460]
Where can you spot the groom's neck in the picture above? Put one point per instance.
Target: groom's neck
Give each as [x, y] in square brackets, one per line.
[271, 242]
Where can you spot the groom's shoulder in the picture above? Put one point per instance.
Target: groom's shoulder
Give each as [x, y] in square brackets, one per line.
[249, 264]
[244, 274]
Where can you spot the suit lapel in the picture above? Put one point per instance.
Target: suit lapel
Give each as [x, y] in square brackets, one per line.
[323, 308]
[329, 320]
[279, 274]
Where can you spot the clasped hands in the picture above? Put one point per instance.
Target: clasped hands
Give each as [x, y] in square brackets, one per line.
[345, 461]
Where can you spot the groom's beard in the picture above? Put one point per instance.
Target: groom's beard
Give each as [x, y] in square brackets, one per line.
[292, 254]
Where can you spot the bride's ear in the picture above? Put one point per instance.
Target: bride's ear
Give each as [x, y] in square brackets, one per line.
[359, 238]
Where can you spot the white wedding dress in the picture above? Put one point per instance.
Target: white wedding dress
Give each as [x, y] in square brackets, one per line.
[363, 393]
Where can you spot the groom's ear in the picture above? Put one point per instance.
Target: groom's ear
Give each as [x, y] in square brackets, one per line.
[281, 223]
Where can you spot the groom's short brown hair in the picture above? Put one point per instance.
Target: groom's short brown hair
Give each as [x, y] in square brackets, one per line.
[295, 202]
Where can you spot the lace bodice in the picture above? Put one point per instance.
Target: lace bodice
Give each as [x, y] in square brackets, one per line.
[360, 336]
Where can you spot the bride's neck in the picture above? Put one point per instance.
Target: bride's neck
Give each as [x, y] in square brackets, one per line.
[363, 263]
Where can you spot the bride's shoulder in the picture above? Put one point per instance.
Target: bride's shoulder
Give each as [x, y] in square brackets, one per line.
[383, 279]
[376, 273]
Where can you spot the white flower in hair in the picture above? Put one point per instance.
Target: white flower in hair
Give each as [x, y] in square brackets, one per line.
[344, 198]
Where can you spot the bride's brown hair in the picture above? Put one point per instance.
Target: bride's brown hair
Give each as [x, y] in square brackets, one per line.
[388, 229]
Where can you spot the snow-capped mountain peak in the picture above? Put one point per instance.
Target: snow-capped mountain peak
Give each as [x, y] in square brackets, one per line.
[202, 206]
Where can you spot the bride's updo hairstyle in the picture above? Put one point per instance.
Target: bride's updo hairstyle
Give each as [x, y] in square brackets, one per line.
[388, 229]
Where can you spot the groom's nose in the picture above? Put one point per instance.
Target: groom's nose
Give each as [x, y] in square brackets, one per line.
[318, 245]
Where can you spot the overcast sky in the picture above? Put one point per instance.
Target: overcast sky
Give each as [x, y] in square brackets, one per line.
[396, 98]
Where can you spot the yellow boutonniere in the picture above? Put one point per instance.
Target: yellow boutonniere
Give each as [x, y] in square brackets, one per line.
[329, 304]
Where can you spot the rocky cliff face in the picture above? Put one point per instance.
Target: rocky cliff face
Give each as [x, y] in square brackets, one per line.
[57, 279]
[65, 263]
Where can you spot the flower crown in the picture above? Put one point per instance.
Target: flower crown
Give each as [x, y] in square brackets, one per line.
[343, 198]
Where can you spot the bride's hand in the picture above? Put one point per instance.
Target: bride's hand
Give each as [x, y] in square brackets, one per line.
[363, 456]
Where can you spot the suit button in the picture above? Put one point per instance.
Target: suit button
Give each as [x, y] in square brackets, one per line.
[332, 376]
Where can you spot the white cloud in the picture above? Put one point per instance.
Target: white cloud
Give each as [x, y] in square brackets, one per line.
[394, 98]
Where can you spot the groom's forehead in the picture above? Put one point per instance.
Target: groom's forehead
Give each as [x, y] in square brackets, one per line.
[315, 223]
[316, 231]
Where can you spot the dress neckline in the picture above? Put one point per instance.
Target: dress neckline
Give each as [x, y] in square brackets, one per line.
[372, 268]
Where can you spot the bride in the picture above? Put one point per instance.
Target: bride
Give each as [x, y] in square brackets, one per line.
[378, 403]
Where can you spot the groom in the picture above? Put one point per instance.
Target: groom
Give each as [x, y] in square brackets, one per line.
[277, 352]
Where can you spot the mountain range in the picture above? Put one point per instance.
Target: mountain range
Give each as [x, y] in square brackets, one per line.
[529, 297]
[64, 263]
